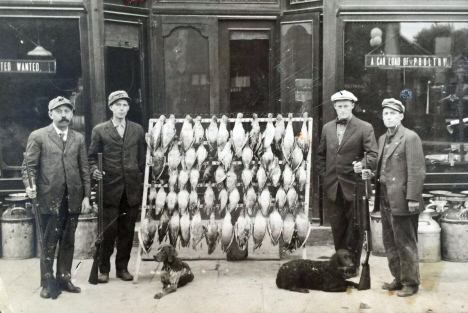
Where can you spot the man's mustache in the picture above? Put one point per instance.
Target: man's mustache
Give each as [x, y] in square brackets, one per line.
[64, 120]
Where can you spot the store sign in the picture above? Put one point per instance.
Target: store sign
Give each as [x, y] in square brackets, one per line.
[27, 66]
[408, 61]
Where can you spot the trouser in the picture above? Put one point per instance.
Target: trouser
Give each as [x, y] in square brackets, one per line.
[345, 235]
[400, 238]
[122, 231]
[59, 229]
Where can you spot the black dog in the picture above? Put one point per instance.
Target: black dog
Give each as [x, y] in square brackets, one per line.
[302, 275]
[176, 273]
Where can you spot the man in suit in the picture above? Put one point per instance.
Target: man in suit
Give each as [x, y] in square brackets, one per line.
[400, 179]
[340, 155]
[59, 168]
[122, 144]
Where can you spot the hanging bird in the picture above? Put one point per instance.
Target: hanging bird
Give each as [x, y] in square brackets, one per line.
[288, 141]
[303, 138]
[147, 232]
[247, 156]
[259, 230]
[168, 133]
[155, 133]
[152, 194]
[208, 173]
[234, 198]
[280, 198]
[275, 226]
[279, 132]
[223, 133]
[182, 179]
[296, 158]
[239, 139]
[303, 228]
[193, 201]
[246, 178]
[183, 200]
[291, 199]
[211, 233]
[189, 159]
[174, 228]
[264, 200]
[187, 134]
[198, 132]
[159, 162]
[160, 200]
[250, 198]
[255, 135]
[225, 156]
[196, 230]
[269, 134]
[220, 175]
[185, 229]
[227, 232]
[209, 200]
[275, 172]
[212, 134]
[173, 177]
[267, 158]
[194, 177]
[174, 158]
[201, 156]
[301, 176]
[288, 178]
[242, 230]
[163, 226]
[171, 200]
[261, 178]
[231, 180]
[289, 226]
[223, 200]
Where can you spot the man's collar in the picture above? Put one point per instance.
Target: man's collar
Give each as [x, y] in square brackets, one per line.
[60, 131]
[344, 121]
[389, 134]
[115, 123]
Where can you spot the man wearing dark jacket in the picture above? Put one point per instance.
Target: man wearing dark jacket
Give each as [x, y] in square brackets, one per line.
[56, 156]
[340, 155]
[400, 174]
[123, 146]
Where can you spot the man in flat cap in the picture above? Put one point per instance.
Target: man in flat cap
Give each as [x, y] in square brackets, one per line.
[340, 156]
[400, 177]
[123, 147]
[59, 168]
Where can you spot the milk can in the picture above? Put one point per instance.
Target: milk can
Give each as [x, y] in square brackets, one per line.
[454, 224]
[428, 237]
[17, 233]
[85, 236]
[378, 248]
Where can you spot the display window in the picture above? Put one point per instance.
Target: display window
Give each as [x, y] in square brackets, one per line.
[40, 59]
[425, 66]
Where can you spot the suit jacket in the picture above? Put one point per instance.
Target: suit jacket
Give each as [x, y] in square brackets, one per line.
[55, 168]
[123, 161]
[335, 161]
[404, 172]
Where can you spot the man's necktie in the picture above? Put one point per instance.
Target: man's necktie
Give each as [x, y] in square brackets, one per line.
[120, 130]
[62, 136]
[343, 121]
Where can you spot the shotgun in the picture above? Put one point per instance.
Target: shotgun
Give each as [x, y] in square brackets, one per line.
[54, 287]
[93, 276]
[365, 280]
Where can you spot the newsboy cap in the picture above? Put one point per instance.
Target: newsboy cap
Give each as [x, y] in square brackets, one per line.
[394, 105]
[56, 102]
[117, 95]
[343, 95]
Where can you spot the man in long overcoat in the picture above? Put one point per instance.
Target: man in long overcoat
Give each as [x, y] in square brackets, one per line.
[400, 174]
[59, 168]
[122, 144]
[340, 155]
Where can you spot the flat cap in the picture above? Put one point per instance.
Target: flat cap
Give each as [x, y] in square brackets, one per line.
[56, 102]
[117, 95]
[343, 95]
[394, 105]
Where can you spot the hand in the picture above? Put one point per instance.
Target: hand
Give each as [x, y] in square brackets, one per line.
[85, 206]
[367, 174]
[97, 175]
[31, 192]
[357, 167]
[413, 206]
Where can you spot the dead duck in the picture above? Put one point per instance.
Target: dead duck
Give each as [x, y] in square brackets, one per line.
[185, 229]
[303, 138]
[163, 227]
[168, 133]
[288, 178]
[247, 156]
[280, 199]
[194, 203]
[231, 180]
[196, 230]
[275, 173]
[148, 230]
[174, 158]
[255, 135]
[202, 154]
[173, 177]
[269, 133]
[160, 200]
[264, 200]
[296, 158]
[212, 233]
[189, 159]
[261, 178]
[239, 139]
[303, 228]
[242, 230]
[227, 232]
[194, 176]
[275, 226]
[155, 133]
[220, 174]
[211, 134]
[187, 134]
[288, 141]
[174, 228]
[291, 199]
[198, 132]
[246, 177]
[223, 197]
[301, 176]
[182, 179]
[171, 200]
[152, 194]
[234, 198]
[259, 230]
[209, 198]
[267, 158]
[250, 199]
[183, 200]
[279, 131]
[158, 164]
[289, 229]
[223, 133]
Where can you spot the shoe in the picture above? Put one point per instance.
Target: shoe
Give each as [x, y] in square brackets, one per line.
[394, 285]
[103, 278]
[124, 275]
[45, 293]
[408, 291]
[68, 286]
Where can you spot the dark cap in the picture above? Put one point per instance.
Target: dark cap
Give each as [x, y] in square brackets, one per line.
[394, 105]
[117, 95]
[55, 103]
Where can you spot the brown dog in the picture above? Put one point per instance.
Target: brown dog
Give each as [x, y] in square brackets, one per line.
[176, 273]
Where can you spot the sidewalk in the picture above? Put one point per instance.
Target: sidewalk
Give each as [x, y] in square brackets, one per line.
[223, 287]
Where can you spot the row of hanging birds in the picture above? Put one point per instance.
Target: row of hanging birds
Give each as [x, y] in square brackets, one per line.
[186, 158]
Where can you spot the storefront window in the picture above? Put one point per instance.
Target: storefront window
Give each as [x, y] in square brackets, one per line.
[424, 65]
[39, 60]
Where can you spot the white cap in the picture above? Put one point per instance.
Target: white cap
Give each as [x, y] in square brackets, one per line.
[343, 95]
